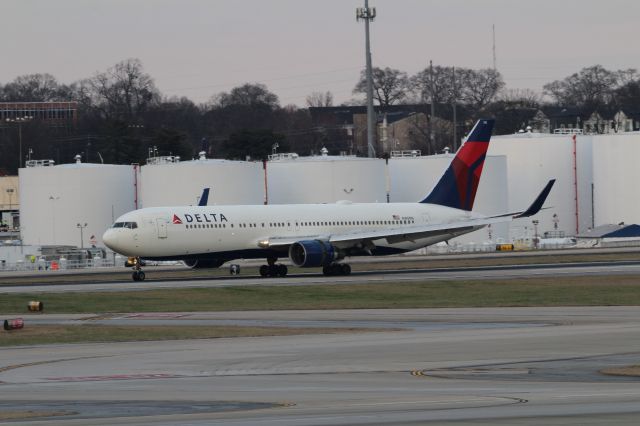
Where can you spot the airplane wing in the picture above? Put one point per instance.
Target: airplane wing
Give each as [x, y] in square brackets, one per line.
[392, 235]
[397, 235]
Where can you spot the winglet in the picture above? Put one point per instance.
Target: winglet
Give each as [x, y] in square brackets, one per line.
[536, 206]
[204, 198]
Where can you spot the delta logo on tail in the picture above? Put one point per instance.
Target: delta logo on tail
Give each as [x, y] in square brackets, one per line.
[458, 185]
[176, 220]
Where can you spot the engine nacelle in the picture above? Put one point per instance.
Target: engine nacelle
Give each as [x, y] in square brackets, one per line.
[204, 263]
[312, 253]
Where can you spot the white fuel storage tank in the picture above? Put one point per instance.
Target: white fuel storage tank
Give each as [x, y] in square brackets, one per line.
[616, 177]
[181, 183]
[58, 204]
[325, 179]
[532, 160]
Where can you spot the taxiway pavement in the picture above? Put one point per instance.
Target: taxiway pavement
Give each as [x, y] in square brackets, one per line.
[459, 366]
[608, 268]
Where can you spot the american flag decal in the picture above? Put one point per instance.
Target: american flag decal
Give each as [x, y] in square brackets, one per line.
[396, 217]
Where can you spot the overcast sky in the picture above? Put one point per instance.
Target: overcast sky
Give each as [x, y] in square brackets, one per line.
[197, 48]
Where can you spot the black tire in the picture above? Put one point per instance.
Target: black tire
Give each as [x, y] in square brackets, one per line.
[273, 271]
[141, 276]
[345, 268]
[264, 271]
[282, 270]
[135, 276]
[328, 270]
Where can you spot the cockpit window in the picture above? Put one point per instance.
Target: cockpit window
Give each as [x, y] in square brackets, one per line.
[130, 225]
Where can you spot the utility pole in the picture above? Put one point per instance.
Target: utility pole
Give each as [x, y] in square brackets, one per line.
[495, 62]
[454, 100]
[432, 133]
[368, 14]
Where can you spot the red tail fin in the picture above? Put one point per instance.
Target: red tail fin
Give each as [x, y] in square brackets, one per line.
[458, 185]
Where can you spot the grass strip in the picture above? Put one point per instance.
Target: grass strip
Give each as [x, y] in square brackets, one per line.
[557, 291]
[94, 333]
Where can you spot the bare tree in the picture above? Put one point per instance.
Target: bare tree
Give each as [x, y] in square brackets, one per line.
[247, 95]
[320, 99]
[590, 88]
[524, 98]
[389, 85]
[479, 87]
[124, 91]
[437, 87]
[35, 88]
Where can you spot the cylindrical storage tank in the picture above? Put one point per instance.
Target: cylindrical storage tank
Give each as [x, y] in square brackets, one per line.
[54, 200]
[181, 184]
[532, 160]
[412, 178]
[615, 178]
[326, 179]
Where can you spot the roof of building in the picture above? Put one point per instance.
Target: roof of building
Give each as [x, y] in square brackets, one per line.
[612, 231]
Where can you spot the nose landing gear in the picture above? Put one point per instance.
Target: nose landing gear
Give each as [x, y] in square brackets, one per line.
[136, 263]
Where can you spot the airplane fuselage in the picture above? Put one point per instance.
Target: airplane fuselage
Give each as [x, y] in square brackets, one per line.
[252, 231]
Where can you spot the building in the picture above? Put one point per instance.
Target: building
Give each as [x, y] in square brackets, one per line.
[53, 114]
[610, 236]
[398, 127]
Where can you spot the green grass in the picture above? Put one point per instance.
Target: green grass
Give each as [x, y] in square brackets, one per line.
[560, 291]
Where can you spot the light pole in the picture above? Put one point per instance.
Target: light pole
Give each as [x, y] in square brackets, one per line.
[81, 227]
[53, 216]
[10, 194]
[368, 14]
[19, 121]
[535, 232]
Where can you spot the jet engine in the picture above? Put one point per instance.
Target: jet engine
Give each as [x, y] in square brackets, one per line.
[202, 263]
[312, 253]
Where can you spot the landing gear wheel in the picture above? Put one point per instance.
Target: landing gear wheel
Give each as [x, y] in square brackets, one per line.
[345, 268]
[274, 270]
[138, 276]
[282, 270]
[264, 271]
[336, 269]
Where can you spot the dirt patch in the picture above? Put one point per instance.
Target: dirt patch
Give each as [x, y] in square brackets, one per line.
[28, 414]
[630, 371]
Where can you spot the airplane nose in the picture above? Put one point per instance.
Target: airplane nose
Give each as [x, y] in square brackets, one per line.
[110, 239]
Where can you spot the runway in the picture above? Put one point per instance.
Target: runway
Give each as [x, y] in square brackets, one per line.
[488, 366]
[312, 278]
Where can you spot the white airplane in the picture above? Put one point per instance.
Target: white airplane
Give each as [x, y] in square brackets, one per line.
[313, 235]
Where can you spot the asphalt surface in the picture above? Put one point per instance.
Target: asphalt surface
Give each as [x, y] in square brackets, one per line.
[504, 366]
[391, 275]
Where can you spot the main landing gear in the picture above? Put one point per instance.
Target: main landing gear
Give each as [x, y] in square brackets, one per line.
[336, 269]
[273, 270]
